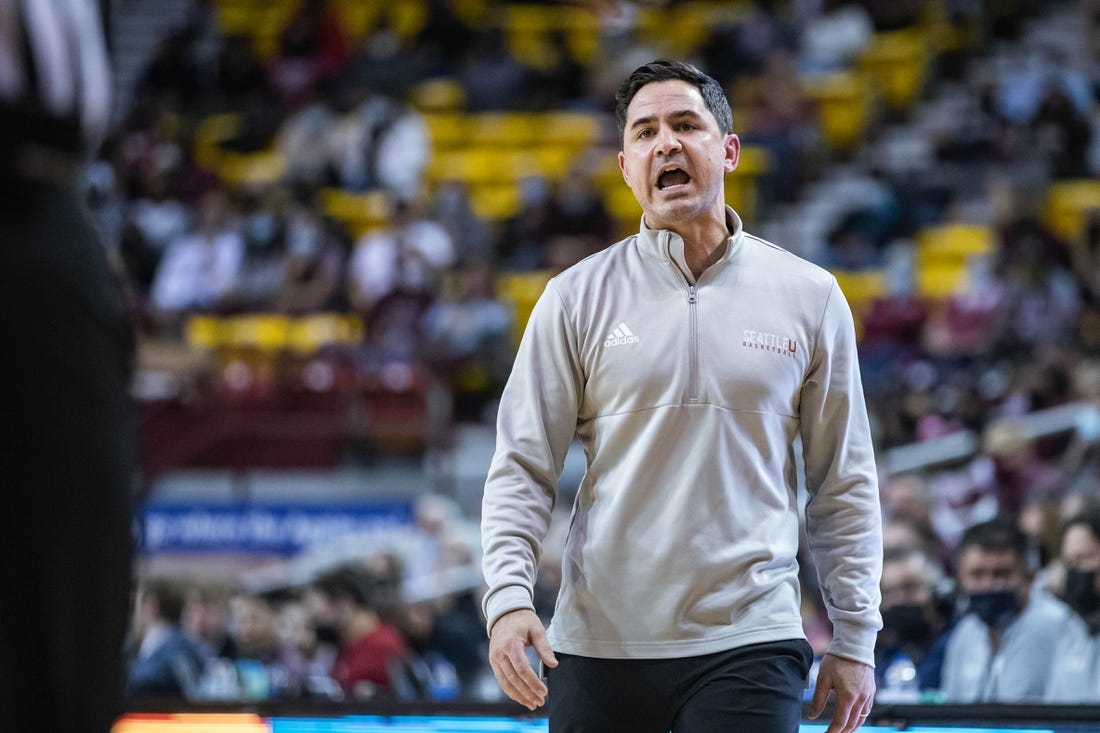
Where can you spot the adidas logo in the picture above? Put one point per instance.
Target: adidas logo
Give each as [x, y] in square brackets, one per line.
[621, 336]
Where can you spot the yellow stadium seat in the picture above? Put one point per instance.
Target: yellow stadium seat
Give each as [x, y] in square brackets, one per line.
[358, 17]
[495, 201]
[359, 212]
[1068, 204]
[621, 203]
[472, 165]
[522, 291]
[207, 332]
[447, 129]
[307, 334]
[505, 129]
[742, 186]
[944, 255]
[939, 280]
[897, 63]
[844, 102]
[953, 243]
[439, 94]
[264, 167]
[408, 17]
[577, 129]
[690, 23]
[264, 331]
[860, 287]
[211, 132]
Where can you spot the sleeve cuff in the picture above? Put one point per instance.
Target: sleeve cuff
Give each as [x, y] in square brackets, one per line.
[855, 642]
[509, 598]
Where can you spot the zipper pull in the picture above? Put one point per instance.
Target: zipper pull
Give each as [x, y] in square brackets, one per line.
[692, 298]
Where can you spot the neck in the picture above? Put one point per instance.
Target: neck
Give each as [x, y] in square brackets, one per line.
[705, 241]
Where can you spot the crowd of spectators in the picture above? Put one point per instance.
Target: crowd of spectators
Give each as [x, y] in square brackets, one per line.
[981, 545]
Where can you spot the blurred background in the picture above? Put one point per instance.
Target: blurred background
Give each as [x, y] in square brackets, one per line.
[333, 217]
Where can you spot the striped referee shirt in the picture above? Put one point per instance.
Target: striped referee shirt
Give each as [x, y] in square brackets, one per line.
[55, 85]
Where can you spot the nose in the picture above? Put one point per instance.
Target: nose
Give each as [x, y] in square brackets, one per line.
[667, 141]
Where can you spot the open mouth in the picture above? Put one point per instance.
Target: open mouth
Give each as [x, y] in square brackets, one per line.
[671, 178]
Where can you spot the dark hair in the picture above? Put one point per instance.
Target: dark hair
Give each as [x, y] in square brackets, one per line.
[996, 535]
[1088, 518]
[349, 582]
[665, 70]
[170, 597]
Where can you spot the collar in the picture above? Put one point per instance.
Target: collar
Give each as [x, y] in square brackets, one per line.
[667, 245]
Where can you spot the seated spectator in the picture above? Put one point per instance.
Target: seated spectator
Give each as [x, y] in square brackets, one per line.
[200, 269]
[264, 664]
[308, 659]
[312, 50]
[377, 142]
[206, 619]
[166, 662]
[1075, 676]
[1000, 649]
[832, 39]
[408, 256]
[913, 622]
[469, 338]
[371, 648]
[317, 253]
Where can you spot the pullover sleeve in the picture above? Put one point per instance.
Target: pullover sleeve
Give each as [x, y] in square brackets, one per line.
[843, 520]
[535, 425]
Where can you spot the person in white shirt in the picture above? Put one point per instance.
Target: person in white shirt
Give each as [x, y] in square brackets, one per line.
[688, 360]
[1000, 650]
[1075, 675]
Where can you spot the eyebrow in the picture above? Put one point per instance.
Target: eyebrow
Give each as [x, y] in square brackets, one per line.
[678, 115]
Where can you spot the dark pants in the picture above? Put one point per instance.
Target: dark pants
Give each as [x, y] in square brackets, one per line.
[65, 468]
[753, 688]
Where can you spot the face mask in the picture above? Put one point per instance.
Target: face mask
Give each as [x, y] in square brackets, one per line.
[996, 608]
[1080, 594]
[908, 622]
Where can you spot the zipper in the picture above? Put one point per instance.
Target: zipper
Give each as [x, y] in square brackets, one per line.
[693, 344]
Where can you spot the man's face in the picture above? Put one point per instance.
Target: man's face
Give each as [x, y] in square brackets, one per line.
[1081, 550]
[674, 157]
[903, 583]
[983, 571]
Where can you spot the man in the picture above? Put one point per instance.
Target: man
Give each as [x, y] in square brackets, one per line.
[166, 662]
[66, 368]
[688, 359]
[1000, 649]
[1075, 676]
[371, 648]
[906, 651]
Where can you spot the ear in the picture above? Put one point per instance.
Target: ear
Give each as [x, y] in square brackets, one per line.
[732, 149]
[622, 167]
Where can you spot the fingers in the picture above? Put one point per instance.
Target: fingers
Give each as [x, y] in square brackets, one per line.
[508, 657]
[821, 695]
[517, 678]
[847, 719]
[542, 646]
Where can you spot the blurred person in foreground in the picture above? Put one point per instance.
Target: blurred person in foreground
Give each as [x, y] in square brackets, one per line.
[66, 369]
[686, 359]
[1075, 677]
[1000, 648]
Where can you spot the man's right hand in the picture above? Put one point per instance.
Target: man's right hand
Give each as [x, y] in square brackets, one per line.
[508, 641]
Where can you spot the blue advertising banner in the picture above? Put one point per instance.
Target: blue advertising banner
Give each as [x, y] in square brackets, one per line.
[278, 529]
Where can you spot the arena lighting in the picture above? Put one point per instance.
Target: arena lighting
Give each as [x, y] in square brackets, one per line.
[247, 723]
